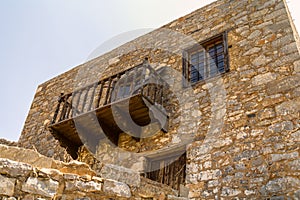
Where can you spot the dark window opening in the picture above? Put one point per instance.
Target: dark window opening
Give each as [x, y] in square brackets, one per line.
[168, 170]
[206, 59]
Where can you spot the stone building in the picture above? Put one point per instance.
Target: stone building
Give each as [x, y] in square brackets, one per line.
[207, 104]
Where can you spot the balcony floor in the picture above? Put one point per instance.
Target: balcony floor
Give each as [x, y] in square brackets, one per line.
[105, 122]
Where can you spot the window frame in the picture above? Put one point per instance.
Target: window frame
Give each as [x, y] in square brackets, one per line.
[204, 46]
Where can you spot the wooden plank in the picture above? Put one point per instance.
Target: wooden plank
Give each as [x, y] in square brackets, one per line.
[92, 97]
[114, 89]
[108, 91]
[100, 94]
[84, 99]
[63, 112]
[133, 81]
[78, 94]
[69, 109]
[57, 110]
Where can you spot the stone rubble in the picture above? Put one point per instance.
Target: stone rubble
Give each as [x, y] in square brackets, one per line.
[19, 180]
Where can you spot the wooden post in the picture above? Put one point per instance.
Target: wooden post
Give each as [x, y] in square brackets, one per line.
[114, 89]
[131, 90]
[78, 93]
[92, 97]
[57, 109]
[63, 112]
[84, 99]
[69, 109]
[100, 94]
[107, 91]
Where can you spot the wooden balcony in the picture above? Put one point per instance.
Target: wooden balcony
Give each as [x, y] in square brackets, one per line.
[124, 102]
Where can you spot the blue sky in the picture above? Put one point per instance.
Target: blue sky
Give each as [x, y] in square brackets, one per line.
[41, 39]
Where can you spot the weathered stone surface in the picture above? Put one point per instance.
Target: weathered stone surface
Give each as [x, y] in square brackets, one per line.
[47, 188]
[288, 107]
[281, 126]
[249, 192]
[183, 191]
[71, 176]
[262, 60]
[151, 188]
[7, 186]
[266, 114]
[14, 169]
[75, 167]
[286, 156]
[274, 186]
[51, 183]
[9, 198]
[295, 165]
[252, 51]
[283, 85]
[296, 136]
[121, 174]
[116, 188]
[229, 192]
[209, 175]
[297, 66]
[53, 173]
[247, 154]
[292, 182]
[171, 197]
[263, 78]
[21, 155]
[280, 184]
[89, 186]
[7, 142]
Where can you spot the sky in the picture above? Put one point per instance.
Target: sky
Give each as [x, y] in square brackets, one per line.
[42, 39]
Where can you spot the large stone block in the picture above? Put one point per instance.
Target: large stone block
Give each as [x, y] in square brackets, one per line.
[280, 185]
[285, 156]
[47, 188]
[229, 192]
[246, 155]
[209, 175]
[7, 186]
[288, 107]
[121, 174]
[14, 169]
[263, 78]
[172, 197]
[281, 126]
[296, 136]
[283, 85]
[297, 66]
[116, 188]
[25, 155]
[294, 165]
[75, 167]
[88, 186]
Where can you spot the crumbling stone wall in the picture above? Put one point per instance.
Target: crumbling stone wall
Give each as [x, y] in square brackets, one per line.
[246, 126]
[9, 143]
[44, 178]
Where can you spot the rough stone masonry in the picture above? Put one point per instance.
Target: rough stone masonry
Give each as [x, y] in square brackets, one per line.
[244, 123]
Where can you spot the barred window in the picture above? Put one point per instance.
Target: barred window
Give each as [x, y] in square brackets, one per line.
[206, 59]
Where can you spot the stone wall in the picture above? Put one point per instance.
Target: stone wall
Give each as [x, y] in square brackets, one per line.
[9, 143]
[244, 124]
[44, 178]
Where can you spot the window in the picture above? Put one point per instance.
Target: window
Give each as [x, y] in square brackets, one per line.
[169, 169]
[206, 59]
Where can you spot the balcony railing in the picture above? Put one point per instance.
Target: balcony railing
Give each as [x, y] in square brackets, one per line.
[142, 79]
[140, 87]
